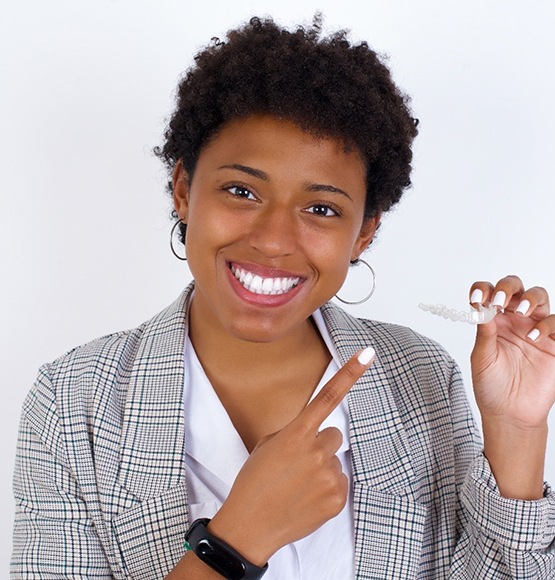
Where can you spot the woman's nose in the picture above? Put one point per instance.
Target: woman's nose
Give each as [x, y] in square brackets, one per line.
[273, 232]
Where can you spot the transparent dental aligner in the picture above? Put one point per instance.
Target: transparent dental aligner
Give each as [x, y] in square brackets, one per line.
[481, 316]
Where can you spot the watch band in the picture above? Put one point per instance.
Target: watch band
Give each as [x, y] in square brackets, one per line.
[220, 556]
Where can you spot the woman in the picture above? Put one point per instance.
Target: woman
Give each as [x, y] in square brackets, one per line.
[273, 432]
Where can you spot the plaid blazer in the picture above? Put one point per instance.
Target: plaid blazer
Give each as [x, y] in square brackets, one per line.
[100, 480]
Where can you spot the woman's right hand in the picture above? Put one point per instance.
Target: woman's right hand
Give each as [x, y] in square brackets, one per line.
[292, 483]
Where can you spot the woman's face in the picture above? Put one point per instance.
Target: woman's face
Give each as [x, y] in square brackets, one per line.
[274, 216]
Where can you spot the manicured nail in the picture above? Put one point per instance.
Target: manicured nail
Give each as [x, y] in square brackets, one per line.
[499, 299]
[533, 334]
[477, 296]
[523, 307]
[366, 355]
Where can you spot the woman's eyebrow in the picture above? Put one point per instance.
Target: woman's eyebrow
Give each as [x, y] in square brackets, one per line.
[315, 187]
[310, 187]
[249, 170]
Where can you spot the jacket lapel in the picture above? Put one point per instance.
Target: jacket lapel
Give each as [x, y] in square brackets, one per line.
[389, 524]
[380, 450]
[153, 440]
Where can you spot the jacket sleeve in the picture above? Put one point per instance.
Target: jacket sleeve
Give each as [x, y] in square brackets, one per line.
[54, 536]
[498, 538]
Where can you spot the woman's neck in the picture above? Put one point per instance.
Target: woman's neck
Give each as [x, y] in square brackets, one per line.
[218, 349]
[262, 385]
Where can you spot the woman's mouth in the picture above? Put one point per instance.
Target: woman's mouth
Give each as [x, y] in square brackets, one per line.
[263, 285]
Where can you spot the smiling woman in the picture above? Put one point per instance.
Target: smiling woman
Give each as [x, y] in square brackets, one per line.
[269, 200]
[252, 425]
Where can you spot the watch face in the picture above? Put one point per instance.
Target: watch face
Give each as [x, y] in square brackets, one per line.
[220, 559]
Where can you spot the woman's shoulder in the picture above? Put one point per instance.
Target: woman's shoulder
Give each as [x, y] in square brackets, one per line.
[413, 364]
[73, 380]
[101, 367]
[422, 377]
[124, 345]
[390, 341]
[101, 353]
[398, 340]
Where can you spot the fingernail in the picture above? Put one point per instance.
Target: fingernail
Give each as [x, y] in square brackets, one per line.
[523, 307]
[477, 296]
[533, 334]
[366, 355]
[499, 299]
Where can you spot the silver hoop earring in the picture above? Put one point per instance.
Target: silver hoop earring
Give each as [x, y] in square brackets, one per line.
[367, 297]
[172, 233]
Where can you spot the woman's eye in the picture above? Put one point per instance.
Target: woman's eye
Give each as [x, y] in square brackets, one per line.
[240, 191]
[322, 210]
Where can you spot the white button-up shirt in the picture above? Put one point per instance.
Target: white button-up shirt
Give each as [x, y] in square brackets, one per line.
[215, 453]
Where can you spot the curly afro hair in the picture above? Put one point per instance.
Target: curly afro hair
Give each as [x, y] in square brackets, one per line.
[327, 86]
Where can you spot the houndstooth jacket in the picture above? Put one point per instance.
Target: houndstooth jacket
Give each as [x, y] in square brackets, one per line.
[100, 480]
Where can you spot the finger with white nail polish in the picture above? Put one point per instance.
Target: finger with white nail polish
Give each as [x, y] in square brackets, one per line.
[499, 299]
[533, 334]
[523, 307]
[477, 296]
[366, 355]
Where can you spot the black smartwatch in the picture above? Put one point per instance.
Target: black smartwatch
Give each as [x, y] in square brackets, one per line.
[220, 556]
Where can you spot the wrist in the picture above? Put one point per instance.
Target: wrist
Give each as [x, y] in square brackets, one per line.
[219, 554]
[518, 425]
[242, 537]
[516, 454]
[510, 434]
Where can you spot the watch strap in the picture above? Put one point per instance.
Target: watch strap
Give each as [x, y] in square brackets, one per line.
[219, 555]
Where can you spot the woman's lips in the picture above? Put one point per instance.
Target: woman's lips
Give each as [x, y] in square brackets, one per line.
[263, 286]
[258, 284]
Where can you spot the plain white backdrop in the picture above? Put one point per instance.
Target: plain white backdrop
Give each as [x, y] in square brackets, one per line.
[84, 218]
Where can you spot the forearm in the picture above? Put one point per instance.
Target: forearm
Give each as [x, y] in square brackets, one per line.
[516, 457]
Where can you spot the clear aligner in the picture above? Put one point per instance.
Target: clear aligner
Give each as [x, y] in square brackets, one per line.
[481, 316]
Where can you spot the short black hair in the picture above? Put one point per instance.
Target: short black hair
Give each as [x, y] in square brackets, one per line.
[326, 85]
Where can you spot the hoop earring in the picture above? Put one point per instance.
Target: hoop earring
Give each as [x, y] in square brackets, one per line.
[182, 258]
[367, 297]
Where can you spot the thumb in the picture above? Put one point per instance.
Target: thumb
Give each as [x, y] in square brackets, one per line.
[485, 345]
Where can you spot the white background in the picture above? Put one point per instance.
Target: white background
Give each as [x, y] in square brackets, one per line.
[84, 219]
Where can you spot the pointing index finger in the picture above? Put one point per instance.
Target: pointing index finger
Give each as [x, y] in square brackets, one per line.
[334, 391]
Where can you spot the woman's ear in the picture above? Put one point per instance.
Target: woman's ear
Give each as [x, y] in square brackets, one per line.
[180, 188]
[367, 232]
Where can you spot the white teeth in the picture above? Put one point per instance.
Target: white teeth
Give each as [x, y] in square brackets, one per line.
[258, 285]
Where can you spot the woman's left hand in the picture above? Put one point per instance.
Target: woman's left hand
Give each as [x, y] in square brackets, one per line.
[513, 372]
[513, 361]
